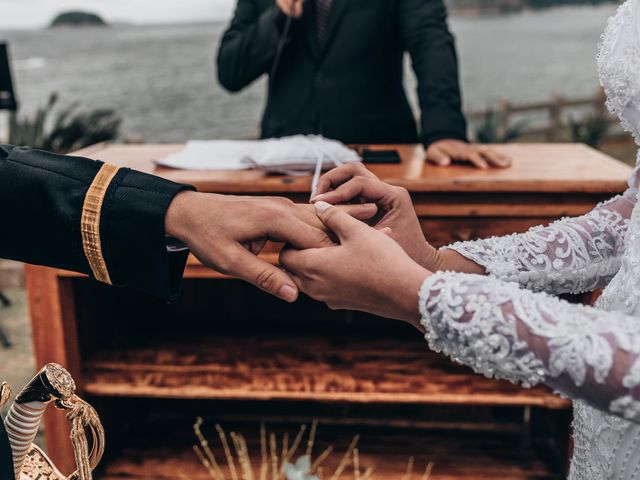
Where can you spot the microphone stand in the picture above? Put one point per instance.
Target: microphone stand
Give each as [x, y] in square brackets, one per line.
[281, 44]
[272, 73]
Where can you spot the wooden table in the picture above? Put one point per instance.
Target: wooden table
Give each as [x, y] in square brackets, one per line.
[230, 351]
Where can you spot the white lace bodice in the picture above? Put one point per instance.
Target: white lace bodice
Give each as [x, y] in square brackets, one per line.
[508, 326]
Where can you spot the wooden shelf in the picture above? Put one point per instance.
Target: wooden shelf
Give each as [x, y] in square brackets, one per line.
[164, 452]
[328, 370]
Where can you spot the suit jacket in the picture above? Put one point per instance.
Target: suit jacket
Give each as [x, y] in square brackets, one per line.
[43, 201]
[351, 87]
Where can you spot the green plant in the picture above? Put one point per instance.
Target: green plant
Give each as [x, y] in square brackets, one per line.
[489, 129]
[69, 130]
[25, 130]
[74, 131]
[592, 129]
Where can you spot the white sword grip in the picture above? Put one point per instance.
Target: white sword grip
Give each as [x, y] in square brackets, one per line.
[22, 423]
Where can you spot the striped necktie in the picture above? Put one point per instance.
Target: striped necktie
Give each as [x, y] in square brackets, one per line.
[323, 8]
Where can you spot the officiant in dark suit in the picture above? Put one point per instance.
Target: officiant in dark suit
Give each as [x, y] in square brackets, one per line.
[340, 73]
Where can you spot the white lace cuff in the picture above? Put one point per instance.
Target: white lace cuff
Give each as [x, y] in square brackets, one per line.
[572, 255]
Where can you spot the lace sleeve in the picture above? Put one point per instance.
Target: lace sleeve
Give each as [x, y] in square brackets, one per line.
[504, 331]
[572, 255]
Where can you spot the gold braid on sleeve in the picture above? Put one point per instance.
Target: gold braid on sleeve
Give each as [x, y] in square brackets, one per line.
[90, 222]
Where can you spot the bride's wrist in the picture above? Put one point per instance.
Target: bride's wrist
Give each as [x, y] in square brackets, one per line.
[405, 295]
[451, 261]
[428, 257]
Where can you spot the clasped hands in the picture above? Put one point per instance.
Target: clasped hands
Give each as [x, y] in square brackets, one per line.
[366, 253]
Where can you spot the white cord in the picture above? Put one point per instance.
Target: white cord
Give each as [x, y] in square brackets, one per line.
[320, 156]
[316, 174]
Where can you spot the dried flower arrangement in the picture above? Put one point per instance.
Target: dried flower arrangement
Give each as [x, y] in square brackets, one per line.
[277, 462]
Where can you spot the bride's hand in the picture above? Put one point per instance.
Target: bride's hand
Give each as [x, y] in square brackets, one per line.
[354, 183]
[368, 271]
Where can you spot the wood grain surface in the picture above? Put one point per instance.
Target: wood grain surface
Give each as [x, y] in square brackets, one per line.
[536, 168]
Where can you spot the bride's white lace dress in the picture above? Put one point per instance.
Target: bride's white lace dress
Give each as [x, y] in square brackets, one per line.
[507, 325]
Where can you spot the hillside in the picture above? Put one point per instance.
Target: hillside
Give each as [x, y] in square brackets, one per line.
[77, 19]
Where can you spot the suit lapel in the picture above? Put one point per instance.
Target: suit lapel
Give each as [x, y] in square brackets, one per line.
[338, 7]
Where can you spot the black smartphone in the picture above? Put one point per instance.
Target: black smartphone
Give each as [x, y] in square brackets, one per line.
[380, 156]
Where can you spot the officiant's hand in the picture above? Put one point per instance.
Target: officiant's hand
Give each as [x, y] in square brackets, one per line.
[227, 232]
[290, 7]
[368, 271]
[353, 183]
[445, 152]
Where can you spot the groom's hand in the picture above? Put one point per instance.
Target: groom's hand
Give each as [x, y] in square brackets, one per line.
[227, 232]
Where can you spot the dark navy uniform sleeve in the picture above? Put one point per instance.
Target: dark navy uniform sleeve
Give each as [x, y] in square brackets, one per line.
[41, 201]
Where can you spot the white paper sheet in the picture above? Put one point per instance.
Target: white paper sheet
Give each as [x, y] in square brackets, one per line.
[295, 155]
[212, 155]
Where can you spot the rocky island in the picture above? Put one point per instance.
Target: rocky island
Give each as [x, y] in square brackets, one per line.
[78, 19]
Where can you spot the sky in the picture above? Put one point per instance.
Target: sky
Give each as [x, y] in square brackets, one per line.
[16, 14]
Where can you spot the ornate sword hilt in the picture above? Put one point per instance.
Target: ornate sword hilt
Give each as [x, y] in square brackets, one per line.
[53, 384]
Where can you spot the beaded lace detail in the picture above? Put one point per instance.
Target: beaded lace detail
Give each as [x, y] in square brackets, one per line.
[569, 256]
[502, 330]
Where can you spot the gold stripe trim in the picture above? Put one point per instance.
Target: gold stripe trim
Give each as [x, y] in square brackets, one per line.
[90, 222]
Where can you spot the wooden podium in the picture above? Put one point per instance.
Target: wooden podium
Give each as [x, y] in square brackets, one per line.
[234, 355]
